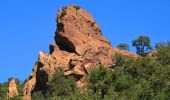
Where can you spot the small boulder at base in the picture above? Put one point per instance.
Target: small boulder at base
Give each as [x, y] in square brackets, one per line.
[12, 89]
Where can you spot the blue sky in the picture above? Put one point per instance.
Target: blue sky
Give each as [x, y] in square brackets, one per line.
[28, 26]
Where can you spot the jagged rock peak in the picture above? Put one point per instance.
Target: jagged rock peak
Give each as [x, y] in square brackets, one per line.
[77, 30]
[79, 47]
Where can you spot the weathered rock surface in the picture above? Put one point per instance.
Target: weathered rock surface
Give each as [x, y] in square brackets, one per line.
[152, 54]
[79, 47]
[12, 89]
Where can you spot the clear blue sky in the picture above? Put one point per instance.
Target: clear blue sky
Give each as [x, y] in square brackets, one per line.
[28, 26]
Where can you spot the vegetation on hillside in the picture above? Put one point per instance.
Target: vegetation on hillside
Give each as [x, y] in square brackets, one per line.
[64, 12]
[76, 7]
[4, 89]
[123, 46]
[145, 78]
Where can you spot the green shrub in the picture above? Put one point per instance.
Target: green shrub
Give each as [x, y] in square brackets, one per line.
[143, 78]
[38, 96]
[163, 54]
[3, 90]
[122, 85]
[59, 85]
[145, 95]
[123, 46]
[100, 80]
[64, 12]
[76, 7]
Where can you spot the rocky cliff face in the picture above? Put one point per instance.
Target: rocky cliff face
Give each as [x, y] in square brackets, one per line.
[12, 89]
[79, 47]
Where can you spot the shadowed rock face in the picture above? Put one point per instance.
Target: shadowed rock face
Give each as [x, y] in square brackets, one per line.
[78, 32]
[12, 89]
[79, 47]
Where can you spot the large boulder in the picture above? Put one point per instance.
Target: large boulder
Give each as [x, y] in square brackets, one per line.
[80, 46]
[12, 89]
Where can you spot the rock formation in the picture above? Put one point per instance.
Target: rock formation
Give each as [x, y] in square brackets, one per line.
[79, 47]
[152, 54]
[12, 89]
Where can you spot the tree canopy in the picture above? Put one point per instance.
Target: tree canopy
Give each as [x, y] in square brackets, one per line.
[123, 46]
[142, 44]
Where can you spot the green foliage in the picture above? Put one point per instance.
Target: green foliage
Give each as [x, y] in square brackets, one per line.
[3, 90]
[16, 80]
[20, 88]
[143, 78]
[38, 96]
[76, 7]
[121, 84]
[15, 98]
[142, 44]
[163, 53]
[59, 85]
[64, 12]
[100, 80]
[123, 46]
[145, 94]
[162, 44]
[132, 79]
[122, 60]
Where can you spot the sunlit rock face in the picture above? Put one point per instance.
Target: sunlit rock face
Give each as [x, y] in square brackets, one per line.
[80, 46]
[12, 89]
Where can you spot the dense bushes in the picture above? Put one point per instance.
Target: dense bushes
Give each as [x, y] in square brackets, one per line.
[123, 46]
[100, 80]
[76, 7]
[64, 12]
[164, 53]
[144, 78]
[59, 87]
[3, 90]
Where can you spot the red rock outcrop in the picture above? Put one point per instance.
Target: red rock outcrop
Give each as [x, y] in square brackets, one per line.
[152, 54]
[79, 47]
[12, 89]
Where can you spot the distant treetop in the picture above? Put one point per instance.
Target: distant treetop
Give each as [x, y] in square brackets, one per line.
[123, 46]
[142, 44]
